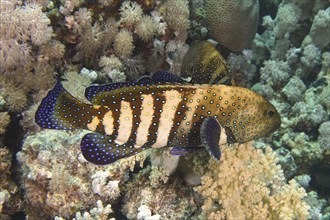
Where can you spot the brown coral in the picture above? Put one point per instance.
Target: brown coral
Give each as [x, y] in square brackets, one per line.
[233, 23]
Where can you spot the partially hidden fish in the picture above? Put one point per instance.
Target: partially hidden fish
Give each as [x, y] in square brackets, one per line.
[127, 118]
[204, 64]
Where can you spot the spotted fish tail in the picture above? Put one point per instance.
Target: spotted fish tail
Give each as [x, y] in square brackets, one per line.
[60, 110]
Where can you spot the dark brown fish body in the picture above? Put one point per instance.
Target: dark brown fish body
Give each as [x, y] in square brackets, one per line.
[131, 119]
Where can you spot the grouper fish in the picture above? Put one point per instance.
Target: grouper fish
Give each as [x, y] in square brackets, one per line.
[129, 117]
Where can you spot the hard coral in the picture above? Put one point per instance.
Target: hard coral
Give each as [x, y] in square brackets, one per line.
[233, 23]
[320, 30]
[287, 19]
[248, 184]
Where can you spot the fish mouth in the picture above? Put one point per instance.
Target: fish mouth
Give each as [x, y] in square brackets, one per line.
[276, 124]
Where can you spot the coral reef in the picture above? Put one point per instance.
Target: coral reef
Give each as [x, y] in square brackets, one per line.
[233, 23]
[85, 42]
[61, 181]
[293, 72]
[99, 212]
[169, 199]
[10, 200]
[320, 29]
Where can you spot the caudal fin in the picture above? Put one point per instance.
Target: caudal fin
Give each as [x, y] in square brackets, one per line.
[59, 110]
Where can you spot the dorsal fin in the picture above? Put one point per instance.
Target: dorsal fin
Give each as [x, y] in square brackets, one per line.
[159, 77]
[166, 77]
[93, 90]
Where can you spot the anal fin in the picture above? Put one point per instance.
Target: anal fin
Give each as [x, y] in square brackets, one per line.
[210, 136]
[184, 151]
[101, 149]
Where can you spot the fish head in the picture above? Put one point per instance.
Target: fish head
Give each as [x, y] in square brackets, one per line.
[253, 116]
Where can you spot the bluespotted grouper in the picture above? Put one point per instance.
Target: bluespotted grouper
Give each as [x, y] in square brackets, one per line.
[129, 117]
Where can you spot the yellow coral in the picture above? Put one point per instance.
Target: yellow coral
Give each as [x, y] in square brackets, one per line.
[248, 184]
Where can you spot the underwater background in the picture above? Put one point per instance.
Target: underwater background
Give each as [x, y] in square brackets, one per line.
[280, 49]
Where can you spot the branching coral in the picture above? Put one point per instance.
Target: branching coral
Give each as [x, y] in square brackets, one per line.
[276, 73]
[287, 19]
[145, 214]
[248, 184]
[320, 30]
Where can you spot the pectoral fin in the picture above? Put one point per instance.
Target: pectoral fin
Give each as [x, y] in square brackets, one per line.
[210, 136]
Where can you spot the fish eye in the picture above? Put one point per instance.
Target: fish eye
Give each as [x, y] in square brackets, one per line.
[271, 113]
